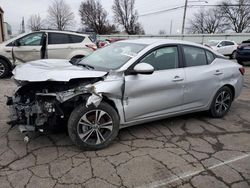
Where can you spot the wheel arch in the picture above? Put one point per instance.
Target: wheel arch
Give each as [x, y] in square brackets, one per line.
[82, 99]
[231, 88]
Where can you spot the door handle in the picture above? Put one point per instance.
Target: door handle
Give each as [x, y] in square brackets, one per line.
[177, 79]
[218, 72]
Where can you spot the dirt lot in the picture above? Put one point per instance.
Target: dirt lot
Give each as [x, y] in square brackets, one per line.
[188, 151]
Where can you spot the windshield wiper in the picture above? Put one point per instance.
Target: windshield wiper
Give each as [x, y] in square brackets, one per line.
[86, 66]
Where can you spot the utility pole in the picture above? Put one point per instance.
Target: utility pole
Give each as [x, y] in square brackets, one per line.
[22, 26]
[171, 25]
[184, 17]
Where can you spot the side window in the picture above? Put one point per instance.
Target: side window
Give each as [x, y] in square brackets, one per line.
[163, 58]
[59, 38]
[76, 39]
[223, 43]
[210, 57]
[194, 56]
[228, 43]
[33, 39]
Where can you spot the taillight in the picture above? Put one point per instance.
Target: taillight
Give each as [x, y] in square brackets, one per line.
[242, 70]
[92, 46]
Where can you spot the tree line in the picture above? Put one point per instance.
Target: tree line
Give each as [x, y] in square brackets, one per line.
[93, 16]
[228, 15]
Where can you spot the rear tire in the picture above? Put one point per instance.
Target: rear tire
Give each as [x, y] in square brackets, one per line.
[240, 62]
[93, 127]
[233, 55]
[4, 68]
[221, 103]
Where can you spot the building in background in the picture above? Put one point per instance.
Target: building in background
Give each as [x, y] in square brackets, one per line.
[7, 31]
[1, 25]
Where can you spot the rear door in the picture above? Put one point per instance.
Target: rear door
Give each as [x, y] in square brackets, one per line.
[29, 47]
[202, 77]
[159, 93]
[230, 47]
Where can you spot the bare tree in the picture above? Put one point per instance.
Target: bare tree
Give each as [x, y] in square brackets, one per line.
[207, 21]
[127, 16]
[35, 23]
[237, 14]
[95, 17]
[60, 15]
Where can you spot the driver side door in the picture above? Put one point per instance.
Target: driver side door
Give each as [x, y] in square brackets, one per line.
[28, 48]
[159, 93]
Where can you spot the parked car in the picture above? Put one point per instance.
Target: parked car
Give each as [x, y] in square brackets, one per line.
[43, 44]
[101, 43]
[123, 84]
[243, 52]
[225, 47]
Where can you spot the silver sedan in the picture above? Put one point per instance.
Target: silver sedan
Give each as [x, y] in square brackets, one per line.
[126, 83]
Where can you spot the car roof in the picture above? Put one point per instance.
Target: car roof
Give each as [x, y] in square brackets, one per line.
[159, 41]
[221, 40]
[65, 32]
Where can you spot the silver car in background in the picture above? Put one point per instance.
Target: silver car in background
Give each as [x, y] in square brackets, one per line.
[126, 83]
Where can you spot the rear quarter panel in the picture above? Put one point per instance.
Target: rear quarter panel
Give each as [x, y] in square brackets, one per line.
[231, 74]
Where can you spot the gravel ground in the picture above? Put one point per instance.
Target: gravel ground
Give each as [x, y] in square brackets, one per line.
[187, 151]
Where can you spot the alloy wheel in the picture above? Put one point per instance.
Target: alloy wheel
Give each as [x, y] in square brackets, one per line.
[95, 127]
[2, 69]
[222, 102]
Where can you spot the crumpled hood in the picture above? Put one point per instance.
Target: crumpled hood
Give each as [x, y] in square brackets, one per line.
[52, 70]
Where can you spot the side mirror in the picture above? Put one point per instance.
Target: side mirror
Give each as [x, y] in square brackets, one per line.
[143, 68]
[17, 43]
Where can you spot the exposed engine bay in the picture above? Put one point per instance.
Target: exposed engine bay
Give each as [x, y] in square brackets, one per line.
[39, 106]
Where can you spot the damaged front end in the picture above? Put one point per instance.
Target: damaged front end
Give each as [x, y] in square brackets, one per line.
[41, 106]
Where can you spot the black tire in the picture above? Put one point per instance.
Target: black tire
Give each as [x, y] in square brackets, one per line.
[4, 68]
[76, 124]
[221, 102]
[240, 62]
[233, 55]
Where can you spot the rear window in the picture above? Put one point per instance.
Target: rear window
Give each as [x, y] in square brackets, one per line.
[210, 57]
[228, 43]
[58, 38]
[194, 56]
[246, 41]
[76, 39]
[61, 38]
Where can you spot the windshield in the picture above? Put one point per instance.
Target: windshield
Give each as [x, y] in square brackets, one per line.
[112, 56]
[213, 43]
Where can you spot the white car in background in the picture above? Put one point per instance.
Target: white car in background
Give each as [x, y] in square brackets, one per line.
[43, 44]
[225, 47]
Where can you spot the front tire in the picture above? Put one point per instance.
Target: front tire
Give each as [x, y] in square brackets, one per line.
[4, 68]
[222, 102]
[93, 127]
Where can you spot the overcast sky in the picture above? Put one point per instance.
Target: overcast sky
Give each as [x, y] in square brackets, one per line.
[16, 9]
